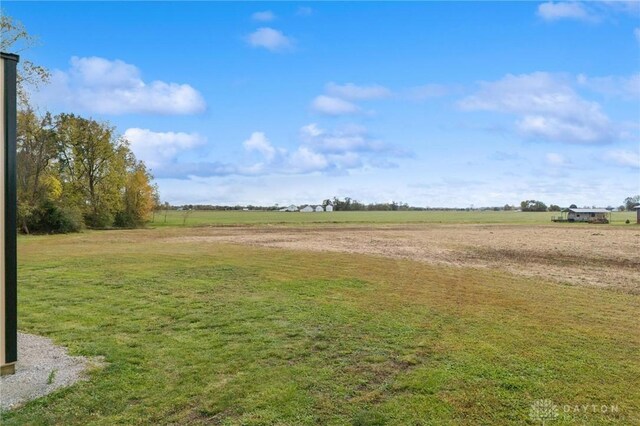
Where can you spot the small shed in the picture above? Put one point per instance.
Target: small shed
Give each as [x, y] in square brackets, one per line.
[306, 209]
[637, 213]
[319, 209]
[329, 208]
[290, 208]
[588, 215]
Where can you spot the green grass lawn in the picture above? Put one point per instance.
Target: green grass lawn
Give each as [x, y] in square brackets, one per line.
[234, 217]
[207, 333]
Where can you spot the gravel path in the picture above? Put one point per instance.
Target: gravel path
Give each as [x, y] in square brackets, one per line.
[41, 369]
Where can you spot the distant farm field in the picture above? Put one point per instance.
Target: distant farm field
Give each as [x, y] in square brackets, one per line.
[352, 323]
[238, 217]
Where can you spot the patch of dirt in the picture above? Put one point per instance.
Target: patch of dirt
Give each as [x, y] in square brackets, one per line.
[587, 255]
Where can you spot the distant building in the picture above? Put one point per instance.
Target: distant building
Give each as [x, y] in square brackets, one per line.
[306, 209]
[319, 209]
[329, 208]
[584, 215]
[290, 208]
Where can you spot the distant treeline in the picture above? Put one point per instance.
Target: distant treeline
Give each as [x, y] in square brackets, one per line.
[349, 204]
[345, 204]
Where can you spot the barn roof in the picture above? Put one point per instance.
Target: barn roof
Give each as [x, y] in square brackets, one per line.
[589, 210]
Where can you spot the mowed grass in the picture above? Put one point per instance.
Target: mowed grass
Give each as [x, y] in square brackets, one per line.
[207, 333]
[235, 217]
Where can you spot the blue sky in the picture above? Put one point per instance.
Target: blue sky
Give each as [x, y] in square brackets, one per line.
[434, 104]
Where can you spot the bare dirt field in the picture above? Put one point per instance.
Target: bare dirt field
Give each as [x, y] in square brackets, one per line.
[594, 256]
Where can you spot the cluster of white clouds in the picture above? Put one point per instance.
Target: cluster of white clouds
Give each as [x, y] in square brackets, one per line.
[319, 150]
[547, 108]
[588, 11]
[339, 98]
[272, 39]
[104, 86]
[160, 148]
[554, 11]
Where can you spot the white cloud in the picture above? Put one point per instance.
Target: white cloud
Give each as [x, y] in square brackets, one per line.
[259, 142]
[555, 159]
[304, 11]
[351, 91]
[305, 160]
[311, 130]
[547, 106]
[319, 151]
[614, 86]
[333, 106]
[270, 39]
[349, 139]
[157, 149]
[104, 86]
[264, 16]
[551, 11]
[587, 11]
[624, 158]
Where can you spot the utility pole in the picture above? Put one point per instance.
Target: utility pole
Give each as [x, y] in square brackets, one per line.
[8, 230]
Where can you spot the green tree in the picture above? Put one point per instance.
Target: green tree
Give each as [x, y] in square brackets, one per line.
[36, 150]
[140, 198]
[631, 202]
[533, 206]
[93, 164]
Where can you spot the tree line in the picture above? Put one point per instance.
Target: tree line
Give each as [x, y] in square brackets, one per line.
[75, 172]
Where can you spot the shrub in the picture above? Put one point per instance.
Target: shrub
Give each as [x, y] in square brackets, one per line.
[99, 219]
[50, 218]
[124, 219]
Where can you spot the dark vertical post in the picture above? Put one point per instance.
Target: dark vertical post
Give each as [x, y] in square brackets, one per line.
[9, 287]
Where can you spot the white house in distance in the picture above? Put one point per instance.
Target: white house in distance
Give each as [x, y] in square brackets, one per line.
[319, 209]
[290, 208]
[588, 215]
[307, 209]
[329, 208]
